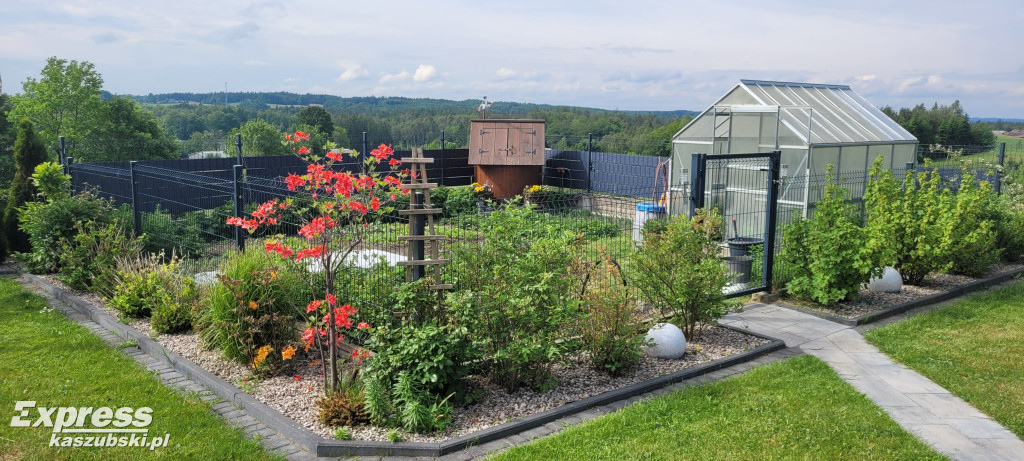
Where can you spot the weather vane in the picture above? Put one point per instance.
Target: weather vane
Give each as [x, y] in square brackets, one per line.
[482, 108]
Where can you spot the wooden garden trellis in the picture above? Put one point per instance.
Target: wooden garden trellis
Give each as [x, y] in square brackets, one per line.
[420, 208]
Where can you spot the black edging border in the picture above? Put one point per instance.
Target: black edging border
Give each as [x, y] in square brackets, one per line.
[327, 447]
[875, 316]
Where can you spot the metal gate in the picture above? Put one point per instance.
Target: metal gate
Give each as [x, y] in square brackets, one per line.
[745, 190]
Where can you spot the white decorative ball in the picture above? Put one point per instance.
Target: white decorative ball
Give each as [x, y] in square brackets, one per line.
[889, 282]
[667, 341]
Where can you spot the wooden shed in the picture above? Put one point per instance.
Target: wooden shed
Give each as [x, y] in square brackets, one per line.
[507, 153]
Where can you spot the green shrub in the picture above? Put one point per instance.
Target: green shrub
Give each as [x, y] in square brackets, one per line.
[343, 408]
[969, 240]
[460, 201]
[424, 364]
[254, 304]
[1008, 219]
[679, 270]
[50, 223]
[132, 297]
[611, 333]
[827, 252]
[147, 287]
[905, 222]
[29, 151]
[516, 296]
[88, 260]
[50, 181]
[176, 302]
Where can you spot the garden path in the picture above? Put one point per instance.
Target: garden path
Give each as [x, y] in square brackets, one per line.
[925, 409]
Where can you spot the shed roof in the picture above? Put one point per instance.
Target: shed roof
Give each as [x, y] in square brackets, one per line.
[836, 114]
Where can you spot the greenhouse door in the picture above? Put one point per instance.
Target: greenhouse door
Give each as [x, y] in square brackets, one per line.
[744, 188]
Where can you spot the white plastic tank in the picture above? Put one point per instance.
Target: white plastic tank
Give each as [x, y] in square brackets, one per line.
[644, 212]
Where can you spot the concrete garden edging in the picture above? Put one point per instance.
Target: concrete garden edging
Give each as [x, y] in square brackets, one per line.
[871, 317]
[328, 447]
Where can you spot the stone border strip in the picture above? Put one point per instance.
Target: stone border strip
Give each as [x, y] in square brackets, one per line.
[909, 305]
[239, 405]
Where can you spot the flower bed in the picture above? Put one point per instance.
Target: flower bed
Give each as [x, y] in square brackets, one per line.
[873, 305]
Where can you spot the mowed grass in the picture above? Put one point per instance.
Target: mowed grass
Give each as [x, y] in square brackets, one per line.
[795, 409]
[48, 359]
[973, 348]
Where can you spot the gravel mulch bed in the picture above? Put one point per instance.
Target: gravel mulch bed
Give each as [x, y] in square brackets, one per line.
[873, 301]
[295, 395]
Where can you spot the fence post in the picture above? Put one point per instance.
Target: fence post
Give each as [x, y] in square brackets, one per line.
[67, 170]
[362, 155]
[440, 181]
[63, 152]
[590, 159]
[136, 213]
[768, 249]
[697, 173]
[238, 148]
[237, 178]
[999, 173]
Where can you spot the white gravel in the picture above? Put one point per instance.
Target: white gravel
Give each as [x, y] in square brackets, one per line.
[871, 301]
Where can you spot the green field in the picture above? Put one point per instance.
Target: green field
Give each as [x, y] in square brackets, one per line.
[795, 409]
[57, 363]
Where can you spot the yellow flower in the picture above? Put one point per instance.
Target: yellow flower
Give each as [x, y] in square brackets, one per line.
[261, 355]
[478, 189]
[287, 353]
[253, 305]
[534, 189]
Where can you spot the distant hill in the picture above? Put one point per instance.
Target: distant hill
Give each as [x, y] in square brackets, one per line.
[997, 119]
[368, 104]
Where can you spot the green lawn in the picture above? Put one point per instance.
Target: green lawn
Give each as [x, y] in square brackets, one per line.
[48, 359]
[795, 409]
[972, 348]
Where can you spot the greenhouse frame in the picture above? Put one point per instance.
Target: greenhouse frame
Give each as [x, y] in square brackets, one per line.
[812, 125]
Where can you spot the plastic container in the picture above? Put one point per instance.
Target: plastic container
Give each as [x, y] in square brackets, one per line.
[741, 266]
[645, 211]
[740, 246]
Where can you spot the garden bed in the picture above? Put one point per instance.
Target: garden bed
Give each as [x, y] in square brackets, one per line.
[295, 395]
[872, 306]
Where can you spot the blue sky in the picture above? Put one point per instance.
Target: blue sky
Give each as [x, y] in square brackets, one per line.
[636, 55]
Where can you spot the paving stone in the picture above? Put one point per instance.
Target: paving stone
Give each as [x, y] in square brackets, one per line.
[906, 380]
[275, 441]
[946, 440]
[570, 420]
[302, 455]
[232, 414]
[221, 406]
[456, 456]
[536, 432]
[946, 405]
[266, 432]
[980, 428]
[1009, 449]
[288, 449]
[243, 421]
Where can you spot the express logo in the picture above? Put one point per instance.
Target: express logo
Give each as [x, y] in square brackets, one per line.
[90, 420]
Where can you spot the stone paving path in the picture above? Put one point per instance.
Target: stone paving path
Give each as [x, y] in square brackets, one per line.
[927, 410]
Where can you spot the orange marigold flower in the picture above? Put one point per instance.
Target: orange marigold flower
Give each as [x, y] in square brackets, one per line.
[253, 305]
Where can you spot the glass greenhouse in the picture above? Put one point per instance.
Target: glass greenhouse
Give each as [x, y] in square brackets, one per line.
[813, 125]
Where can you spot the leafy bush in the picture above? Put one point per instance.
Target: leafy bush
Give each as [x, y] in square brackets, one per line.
[88, 260]
[424, 365]
[612, 334]
[1008, 218]
[515, 297]
[460, 201]
[147, 287]
[343, 408]
[969, 240]
[905, 222]
[50, 223]
[679, 270]
[254, 305]
[50, 181]
[827, 252]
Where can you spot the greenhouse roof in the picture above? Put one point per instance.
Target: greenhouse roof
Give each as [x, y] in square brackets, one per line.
[833, 114]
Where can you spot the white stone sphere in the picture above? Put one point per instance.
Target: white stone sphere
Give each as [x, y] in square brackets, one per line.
[889, 282]
[667, 341]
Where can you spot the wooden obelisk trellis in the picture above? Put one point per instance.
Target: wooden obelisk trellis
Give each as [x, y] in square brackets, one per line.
[419, 210]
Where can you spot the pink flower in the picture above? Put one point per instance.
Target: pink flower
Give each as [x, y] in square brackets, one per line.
[363, 326]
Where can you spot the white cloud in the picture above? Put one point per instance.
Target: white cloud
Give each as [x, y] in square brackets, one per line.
[505, 72]
[353, 73]
[394, 77]
[424, 72]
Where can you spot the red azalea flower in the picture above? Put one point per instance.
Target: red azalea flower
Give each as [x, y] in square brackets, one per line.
[335, 156]
[375, 204]
[303, 150]
[313, 305]
[394, 161]
[332, 299]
